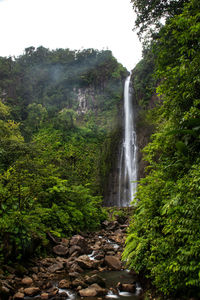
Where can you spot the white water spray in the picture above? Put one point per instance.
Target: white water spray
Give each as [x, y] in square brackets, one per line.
[128, 155]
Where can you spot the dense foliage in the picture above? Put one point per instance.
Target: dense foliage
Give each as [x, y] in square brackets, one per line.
[164, 235]
[151, 14]
[58, 110]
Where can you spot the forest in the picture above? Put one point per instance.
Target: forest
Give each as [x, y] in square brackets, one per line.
[60, 123]
[163, 242]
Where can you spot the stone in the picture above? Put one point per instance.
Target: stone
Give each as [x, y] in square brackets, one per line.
[75, 248]
[35, 277]
[105, 224]
[60, 250]
[44, 296]
[92, 291]
[55, 267]
[126, 287]
[27, 281]
[84, 262]
[64, 284]
[88, 292]
[78, 282]
[75, 268]
[113, 262]
[65, 242]
[35, 269]
[18, 296]
[80, 241]
[31, 291]
[73, 275]
[95, 279]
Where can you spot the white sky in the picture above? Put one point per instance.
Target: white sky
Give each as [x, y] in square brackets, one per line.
[73, 24]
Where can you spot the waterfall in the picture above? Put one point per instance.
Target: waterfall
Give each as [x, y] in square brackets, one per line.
[128, 152]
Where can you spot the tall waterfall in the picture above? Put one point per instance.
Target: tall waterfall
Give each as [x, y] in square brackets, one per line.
[128, 152]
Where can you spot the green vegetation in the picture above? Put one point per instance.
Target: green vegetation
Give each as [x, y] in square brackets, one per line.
[164, 236]
[58, 110]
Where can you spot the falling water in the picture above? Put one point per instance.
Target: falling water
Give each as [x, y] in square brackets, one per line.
[128, 153]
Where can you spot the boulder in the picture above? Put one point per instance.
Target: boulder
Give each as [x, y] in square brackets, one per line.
[75, 268]
[80, 241]
[31, 291]
[75, 248]
[93, 291]
[27, 281]
[73, 275]
[113, 262]
[65, 242]
[95, 279]
[84, 262]
[78, 282]
[44, 296]
[55, 267]
[18, 296]
[126, 287]
[64, 284]
[61, 250]
[105, 224]
[88, 292]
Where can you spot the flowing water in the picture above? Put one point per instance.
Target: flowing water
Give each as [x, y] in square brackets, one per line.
[128, 152]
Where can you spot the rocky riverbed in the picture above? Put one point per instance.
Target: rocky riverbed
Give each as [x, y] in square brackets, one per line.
[81, 266]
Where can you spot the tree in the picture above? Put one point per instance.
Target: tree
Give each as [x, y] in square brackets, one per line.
[150, 13]
[164, 236]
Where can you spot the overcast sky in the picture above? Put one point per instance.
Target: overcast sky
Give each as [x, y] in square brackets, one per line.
[73, 24]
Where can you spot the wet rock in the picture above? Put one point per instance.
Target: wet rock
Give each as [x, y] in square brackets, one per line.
[27, 281]
[4, 292]
[126, 287]
[80, 241]
[92, 291]
[88, 292]
[75, 248]
[64, 284]
[75, 268]
[84, 262]
[105, 224]
[95, 279]
[61, 250]
[113, 225]
[35, 269]
[55, 267]
[44, 296]
[65, 242]
[18, 296]
[113, 262]
[52, 292]
[78, 282]
[73, 275]
[46, 262]
[31, 291]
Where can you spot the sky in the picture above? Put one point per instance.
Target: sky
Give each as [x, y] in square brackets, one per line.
[74, 24]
